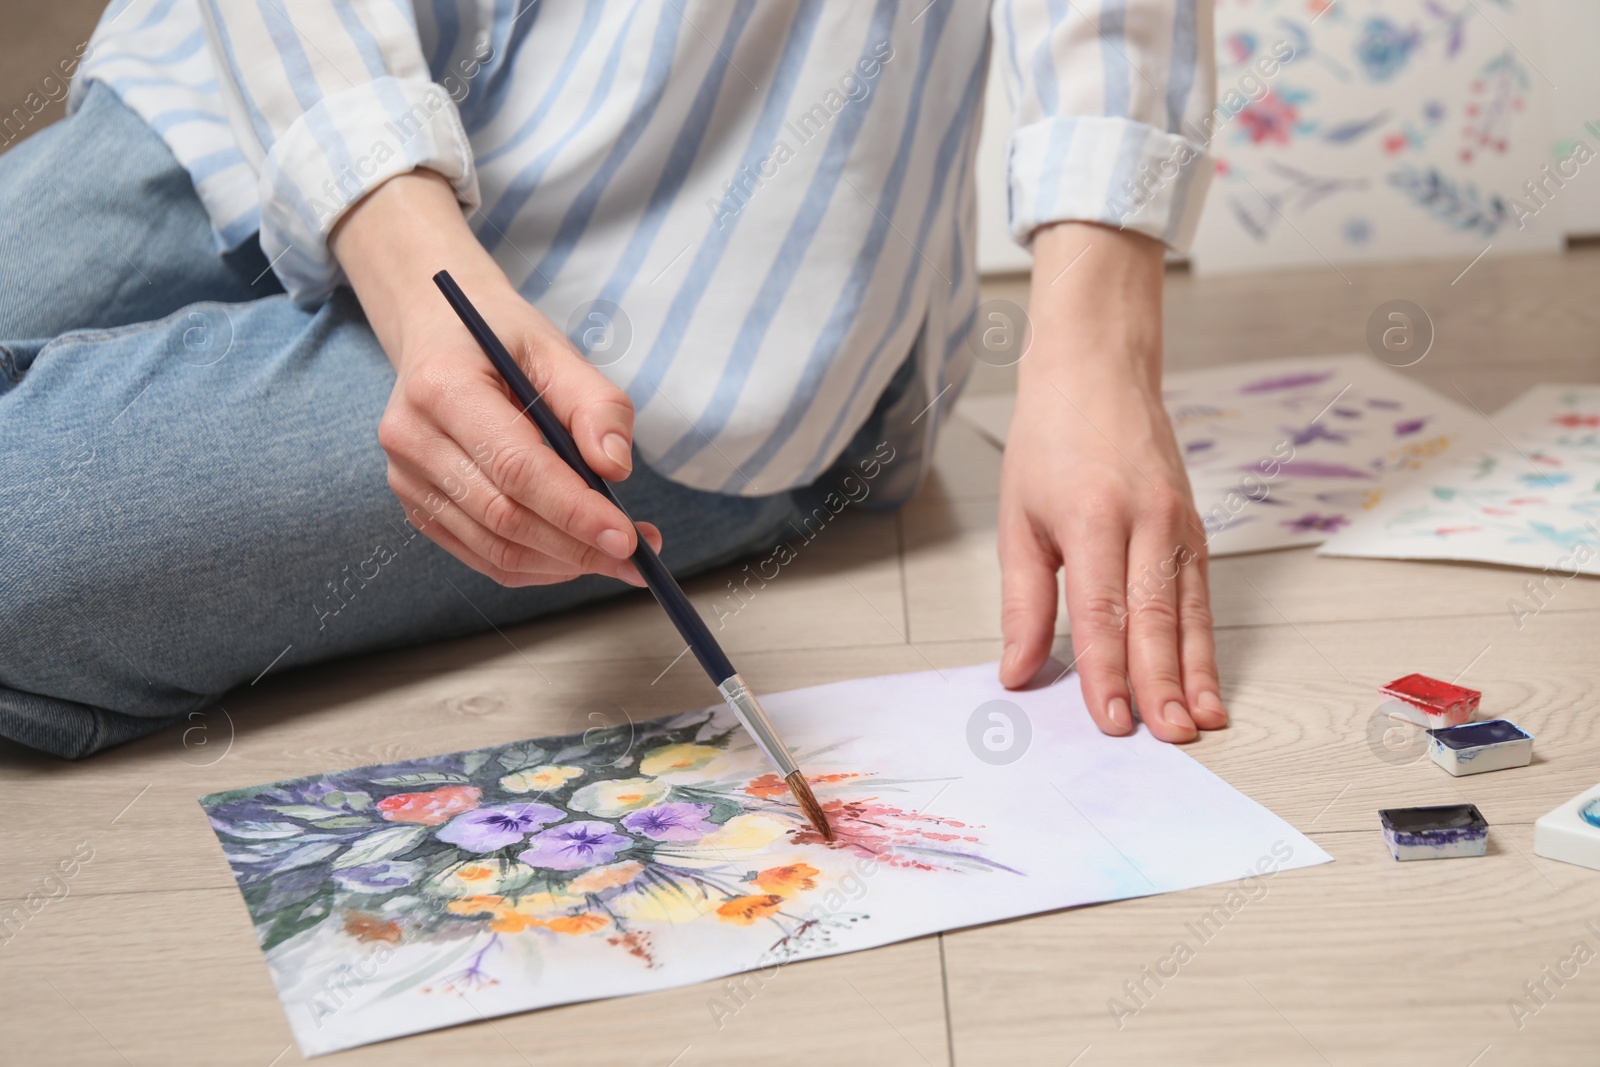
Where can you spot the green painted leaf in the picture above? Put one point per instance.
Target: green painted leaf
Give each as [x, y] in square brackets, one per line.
[343, 822]
[302, 811]
[261, 831]
[423, 778]
[519, 756]
[292, 921]
[381, 845]
[1444, 492]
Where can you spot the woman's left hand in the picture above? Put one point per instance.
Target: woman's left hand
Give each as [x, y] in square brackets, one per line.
[1093, 483]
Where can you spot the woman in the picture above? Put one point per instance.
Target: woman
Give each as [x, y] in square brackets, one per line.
[731, 242]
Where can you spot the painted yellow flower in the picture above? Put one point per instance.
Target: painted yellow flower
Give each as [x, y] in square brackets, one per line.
[743, 911]
[750, 832]
[652, 902]
[598, 879]
[743, 839]
[670, 758]
[539, 779]
[474, 878]
[547, 904]
[618, 797]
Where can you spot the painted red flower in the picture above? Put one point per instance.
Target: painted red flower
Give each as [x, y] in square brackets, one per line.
[1271, 119]
[1574, 420]
[430, 808]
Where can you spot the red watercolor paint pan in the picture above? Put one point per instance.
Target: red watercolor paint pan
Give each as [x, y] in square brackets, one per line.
[1442, 703]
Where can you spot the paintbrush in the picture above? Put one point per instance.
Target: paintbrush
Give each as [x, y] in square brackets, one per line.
[660, 580]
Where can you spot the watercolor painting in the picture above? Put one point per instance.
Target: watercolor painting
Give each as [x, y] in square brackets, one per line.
[1526, 494]
[1361, 131]
[1284, 453]
[444, 889]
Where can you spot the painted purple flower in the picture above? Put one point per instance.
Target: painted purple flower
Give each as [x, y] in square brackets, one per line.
[573, 846]
[1289, 381]
[1313, 521]
[1316, 432]
[675, 821]
[1409, 426]
[1310, 468]
[486, 829]
[378, 877]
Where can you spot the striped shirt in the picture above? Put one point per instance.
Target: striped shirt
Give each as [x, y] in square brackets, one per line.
[749, 214]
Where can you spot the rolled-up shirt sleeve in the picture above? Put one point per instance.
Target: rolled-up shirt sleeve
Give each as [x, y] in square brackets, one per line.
[1111, 99]
[328, 101]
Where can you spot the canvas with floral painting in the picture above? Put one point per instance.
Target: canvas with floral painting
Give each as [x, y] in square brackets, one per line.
[438, 890]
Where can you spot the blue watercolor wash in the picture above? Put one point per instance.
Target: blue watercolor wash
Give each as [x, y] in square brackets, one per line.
[1479, 734]
[1591, 812]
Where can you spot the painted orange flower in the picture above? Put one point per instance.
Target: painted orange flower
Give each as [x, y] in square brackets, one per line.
[475, 905]
[788, 880]
[598, 879]
[511, 921]
[587, 923]
[767, 787]
[743, 911]
[430, 808]
[364, 927]
[474, 872]
[770, 785]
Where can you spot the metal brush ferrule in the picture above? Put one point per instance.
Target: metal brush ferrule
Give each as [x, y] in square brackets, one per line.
[748, 709]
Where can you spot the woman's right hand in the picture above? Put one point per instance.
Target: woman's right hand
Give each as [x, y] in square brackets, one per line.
[471, 470]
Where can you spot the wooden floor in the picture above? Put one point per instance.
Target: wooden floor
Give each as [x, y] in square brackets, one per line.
[151, 960]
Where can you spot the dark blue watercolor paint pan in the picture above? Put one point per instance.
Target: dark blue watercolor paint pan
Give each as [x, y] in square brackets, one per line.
[1481, 746]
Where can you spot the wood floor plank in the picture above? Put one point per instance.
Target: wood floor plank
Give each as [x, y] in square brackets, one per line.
[175, 977]
[1362, 961]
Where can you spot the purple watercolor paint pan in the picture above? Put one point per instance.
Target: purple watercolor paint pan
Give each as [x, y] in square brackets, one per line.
[1445, 831]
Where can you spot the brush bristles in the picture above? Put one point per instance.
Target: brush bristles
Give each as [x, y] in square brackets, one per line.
[808, 804]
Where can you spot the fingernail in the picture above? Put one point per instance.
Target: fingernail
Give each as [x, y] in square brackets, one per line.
[1211, 704]
[613, 543]
[616, 446]
[1117, 713]
[1177, 715]
[1008, 659]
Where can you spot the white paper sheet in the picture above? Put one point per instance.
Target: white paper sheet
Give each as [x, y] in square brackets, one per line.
[1530, 498]
[956, 803]
[1283, 452]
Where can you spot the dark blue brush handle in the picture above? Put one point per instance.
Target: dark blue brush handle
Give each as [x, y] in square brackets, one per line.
[655, 573]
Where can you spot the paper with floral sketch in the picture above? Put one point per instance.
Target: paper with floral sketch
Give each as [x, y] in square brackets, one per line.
[1528, 499]
[400, 898]
[1281, 453]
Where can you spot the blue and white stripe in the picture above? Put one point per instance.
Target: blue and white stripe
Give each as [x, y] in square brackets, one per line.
[777, 193]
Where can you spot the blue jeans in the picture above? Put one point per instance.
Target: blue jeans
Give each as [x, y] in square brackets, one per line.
[193, 488]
